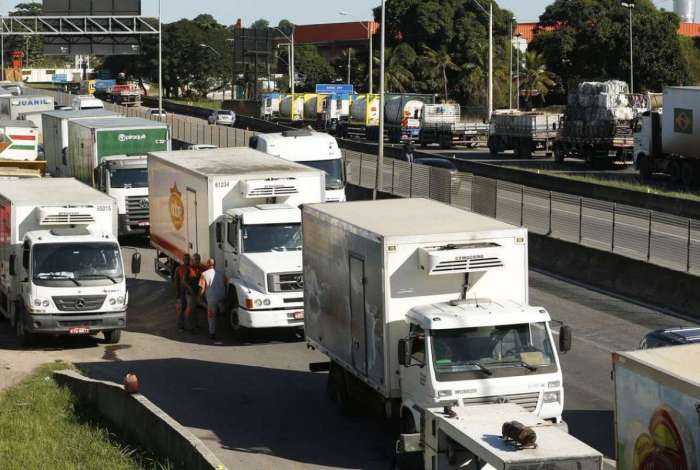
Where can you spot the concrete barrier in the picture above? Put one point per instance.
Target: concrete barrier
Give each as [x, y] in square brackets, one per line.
[627, 277]
[140, 421]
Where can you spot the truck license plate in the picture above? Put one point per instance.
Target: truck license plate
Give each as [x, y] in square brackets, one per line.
[79, 331]
[298, 315]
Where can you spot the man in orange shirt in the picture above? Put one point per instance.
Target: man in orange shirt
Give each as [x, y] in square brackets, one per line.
[180, 297]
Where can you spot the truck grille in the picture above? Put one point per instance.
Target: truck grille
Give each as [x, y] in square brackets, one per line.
[526, 400]
[137, 209]
[76, 303]
[285, 282]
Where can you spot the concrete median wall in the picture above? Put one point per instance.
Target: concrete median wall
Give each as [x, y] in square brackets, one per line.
[140, 421]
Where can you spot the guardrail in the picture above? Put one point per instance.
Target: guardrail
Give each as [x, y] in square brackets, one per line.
[662, 239]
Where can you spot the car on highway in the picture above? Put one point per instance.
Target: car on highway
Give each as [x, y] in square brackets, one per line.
[670, 337]
[222, 117]
[153, 113]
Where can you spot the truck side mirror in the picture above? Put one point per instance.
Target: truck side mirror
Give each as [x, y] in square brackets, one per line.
[13, 263]
[136, 263]
[219, 232]
[565, 338]
[405, 352]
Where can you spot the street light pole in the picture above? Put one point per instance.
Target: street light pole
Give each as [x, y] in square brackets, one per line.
[510, 75]
[349, 64]
[629, 4]
[490, 15]
[517, 84]
[379, 183]
[370, 33]
[160, 62]
[291, 56]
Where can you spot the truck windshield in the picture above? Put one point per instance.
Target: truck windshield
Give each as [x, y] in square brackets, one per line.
[64, 264]
[271, 237]
[335, 177]
[492, 351]
[126, 178]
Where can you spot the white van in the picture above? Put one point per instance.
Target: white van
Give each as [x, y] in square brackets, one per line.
[87, 102]
[315, 149]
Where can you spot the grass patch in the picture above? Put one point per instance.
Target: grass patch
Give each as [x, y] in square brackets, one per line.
[40, 428]
[200, 103]
[619, 184]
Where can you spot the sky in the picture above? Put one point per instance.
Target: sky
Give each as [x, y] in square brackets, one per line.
[302, 12]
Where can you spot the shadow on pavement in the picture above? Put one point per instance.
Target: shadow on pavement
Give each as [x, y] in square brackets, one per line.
[594, 427]
[258, 410]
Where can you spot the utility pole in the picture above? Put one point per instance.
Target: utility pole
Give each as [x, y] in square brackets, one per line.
[518, 66]
[510, 59]
[629, 4]
[379, 182]
[349, 64]
[490, 15]
[160, 62]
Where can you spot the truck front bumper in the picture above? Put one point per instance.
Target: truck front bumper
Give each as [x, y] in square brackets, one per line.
[63, 324]
[130, 227]
[271, 318]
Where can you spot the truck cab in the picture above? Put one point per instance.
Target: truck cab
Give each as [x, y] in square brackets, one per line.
[314, 149]
[479, 351]
[261, 247]
[125, 178]
[87, 102]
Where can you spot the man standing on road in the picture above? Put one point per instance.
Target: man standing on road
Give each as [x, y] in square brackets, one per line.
[213, 283]
[191, 284]
[180, 297]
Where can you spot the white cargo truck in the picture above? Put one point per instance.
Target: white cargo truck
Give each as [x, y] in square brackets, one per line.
[666, 140]
[26, 107]
[241, 207]
[657, 402]
[55, 126]
[84, 102]
[19, 140]
[442, 124]
[430, 315]
[109, 154]
[61, 269]
[315, 149]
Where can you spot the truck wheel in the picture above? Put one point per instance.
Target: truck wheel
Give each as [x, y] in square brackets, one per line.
[525, 148]
[493, 149]
[112, 337]
[414, 460]
[644, 164]
[241, 333]
[516, 147]
[26, 339]
[674, 170]
[688, 174]
[558, 153]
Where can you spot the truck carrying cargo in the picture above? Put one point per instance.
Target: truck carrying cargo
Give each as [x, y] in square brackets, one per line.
[598, 123]
[363, 120]
[291, 109]
[332, 108]
[666, 139]
[522, 131]
[27, 108]
[61, 264]
[416, 317]
[442, 124]
[109, 154]
[241, 207]
[270, 105]
[657, 392]
[55, 125]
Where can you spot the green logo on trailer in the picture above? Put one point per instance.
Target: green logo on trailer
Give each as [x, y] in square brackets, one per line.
[683, 121]
[131, 142]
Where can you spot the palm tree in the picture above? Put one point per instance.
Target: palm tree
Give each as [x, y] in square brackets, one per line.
[438, 63]
[536, 79]
[397, 76]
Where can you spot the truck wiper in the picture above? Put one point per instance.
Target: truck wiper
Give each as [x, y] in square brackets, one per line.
[99, 276]
[481, 367]
[57, 277]
[524, 364]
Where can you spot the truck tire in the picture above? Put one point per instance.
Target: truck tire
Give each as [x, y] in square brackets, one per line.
[239, 332]
[412, 461]
[493, 149]
[113, 336]
[674, 171]
[337, 389]
[558, 153]
[525, 147]
[516, 147]
[644, 166]
[688, 174]
[25, 338]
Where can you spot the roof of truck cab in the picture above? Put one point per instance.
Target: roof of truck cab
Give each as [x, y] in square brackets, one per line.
[412, 217]
[232, 161]
[84, 113]
[475, 313]
[119, 123]
[59, 191]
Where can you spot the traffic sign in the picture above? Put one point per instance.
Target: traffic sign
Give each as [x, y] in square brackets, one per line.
[335, 89]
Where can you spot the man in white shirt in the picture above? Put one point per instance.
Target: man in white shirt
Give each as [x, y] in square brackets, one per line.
[213, 284]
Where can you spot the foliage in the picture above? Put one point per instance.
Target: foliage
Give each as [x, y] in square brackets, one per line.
[40, 429]
[690, 48]
[260, 24]
[286, 26]
[535, 79]
[589, 40]
[311, 67]
[436, 63]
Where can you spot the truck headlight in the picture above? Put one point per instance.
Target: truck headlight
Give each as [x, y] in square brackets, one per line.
[37, 302]
[444, 393]
[40, 302]
[120, 299]
[266, 302]
[112, 301]
[258, 303]
[551, 397]
[45, 303]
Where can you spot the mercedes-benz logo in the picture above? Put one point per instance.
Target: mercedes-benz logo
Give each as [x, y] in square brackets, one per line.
[80, 303]
[143, 203]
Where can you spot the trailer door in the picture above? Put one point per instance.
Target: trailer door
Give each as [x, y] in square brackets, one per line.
[192, 221]
[357, 312]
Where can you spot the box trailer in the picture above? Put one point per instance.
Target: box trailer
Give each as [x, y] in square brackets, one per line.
[55, 126]
[61, 264]
[657, 401]
[15, 107]
[109, 154]
[241, 207]
[667, 140]
[19, 141]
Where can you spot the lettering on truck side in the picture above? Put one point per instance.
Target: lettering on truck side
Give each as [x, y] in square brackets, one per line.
[128, 137]
[35, 102]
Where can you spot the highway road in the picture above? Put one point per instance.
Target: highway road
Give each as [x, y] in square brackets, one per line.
[257, 406]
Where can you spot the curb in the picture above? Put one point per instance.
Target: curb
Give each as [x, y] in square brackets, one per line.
[141, 421]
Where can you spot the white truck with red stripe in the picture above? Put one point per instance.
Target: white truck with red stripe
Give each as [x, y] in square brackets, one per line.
[26, 108]
[19, 140]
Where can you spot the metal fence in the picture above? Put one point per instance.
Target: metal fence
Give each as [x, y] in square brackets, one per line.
[655, 237]
[186, 129]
